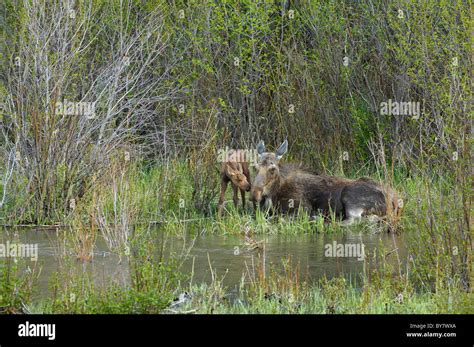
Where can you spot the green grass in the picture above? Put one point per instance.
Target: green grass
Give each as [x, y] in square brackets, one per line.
[333, 297]
[163, 196]
[313, 301]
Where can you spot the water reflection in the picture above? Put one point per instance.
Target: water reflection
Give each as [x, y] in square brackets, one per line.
[228, 256]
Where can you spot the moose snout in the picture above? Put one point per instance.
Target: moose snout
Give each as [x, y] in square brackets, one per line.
[257, 194]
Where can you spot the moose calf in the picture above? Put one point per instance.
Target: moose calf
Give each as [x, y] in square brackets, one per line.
[239, 175]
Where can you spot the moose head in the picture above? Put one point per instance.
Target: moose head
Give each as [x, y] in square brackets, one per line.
[237, 176]
[268, 172]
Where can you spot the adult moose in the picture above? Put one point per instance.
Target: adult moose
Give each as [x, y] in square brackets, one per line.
[288, 187]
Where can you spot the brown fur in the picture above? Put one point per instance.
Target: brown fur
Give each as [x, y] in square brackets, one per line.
[288, 187]
[239, 175]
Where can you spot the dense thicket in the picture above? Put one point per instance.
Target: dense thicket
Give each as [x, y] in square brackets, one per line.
[174, 81]
[185, 78]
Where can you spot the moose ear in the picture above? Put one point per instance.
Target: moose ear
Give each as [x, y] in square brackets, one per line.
[261, 147]
[230, 171]
[282, 149]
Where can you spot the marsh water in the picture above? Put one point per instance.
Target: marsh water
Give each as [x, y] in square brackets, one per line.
[226, 258]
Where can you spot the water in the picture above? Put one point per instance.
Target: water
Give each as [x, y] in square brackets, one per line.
[227, 256]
